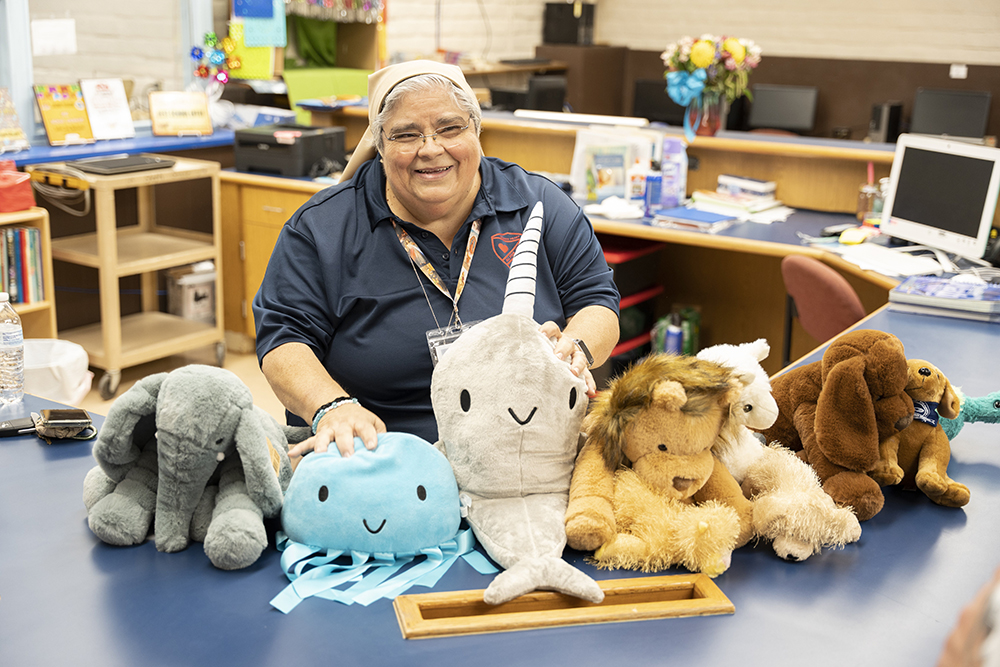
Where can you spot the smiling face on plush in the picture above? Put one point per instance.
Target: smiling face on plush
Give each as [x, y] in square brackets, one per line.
[399, 498]
[521, 402]
[661, 419]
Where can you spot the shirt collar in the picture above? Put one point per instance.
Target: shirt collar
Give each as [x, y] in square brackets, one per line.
[496, 193]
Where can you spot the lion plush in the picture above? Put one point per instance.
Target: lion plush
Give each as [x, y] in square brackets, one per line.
[647, 493]
[838, 410]
[918, 455]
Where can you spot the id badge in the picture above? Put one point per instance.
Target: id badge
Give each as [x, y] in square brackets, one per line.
[439, 340]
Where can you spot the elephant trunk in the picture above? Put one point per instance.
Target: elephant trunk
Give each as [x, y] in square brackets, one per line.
[182, 481]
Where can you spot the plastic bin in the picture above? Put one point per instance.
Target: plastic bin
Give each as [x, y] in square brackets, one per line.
[191, 292]
[57, 370]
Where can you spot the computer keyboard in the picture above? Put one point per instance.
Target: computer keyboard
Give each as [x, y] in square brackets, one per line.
[890, 262]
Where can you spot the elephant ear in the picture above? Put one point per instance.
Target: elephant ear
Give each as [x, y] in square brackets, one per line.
[117, 448]
[846, 431]
[263, 461]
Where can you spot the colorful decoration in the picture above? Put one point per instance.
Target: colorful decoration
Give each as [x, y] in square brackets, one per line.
[705, 73]
[211, 61]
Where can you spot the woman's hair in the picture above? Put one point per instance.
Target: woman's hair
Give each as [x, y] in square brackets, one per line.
[420, 84]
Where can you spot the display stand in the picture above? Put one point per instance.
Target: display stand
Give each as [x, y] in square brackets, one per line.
[38, 318]
[118, 342]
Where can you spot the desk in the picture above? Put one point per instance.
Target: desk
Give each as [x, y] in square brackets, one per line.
[889, 599]
[141, 143]
[818, 174]
[734, 276]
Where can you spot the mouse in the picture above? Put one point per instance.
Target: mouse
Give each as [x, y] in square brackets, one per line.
[854, 236]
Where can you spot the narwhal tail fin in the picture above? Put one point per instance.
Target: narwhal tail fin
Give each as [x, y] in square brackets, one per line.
[519, 297]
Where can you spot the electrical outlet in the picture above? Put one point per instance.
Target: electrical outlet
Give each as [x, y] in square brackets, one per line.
[958, 72]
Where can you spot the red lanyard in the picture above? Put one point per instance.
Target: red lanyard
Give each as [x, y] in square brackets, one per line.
[418, 258]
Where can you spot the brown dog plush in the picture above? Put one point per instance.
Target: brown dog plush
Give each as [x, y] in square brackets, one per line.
[838, 410]
[918, 455]
[647, 491]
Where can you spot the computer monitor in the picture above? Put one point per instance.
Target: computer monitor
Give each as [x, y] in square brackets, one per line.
[652, 102]
[956, 113]
[778, 107]
[546, 92]
[942, 194]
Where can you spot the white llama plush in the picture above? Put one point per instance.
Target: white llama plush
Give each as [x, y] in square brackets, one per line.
[790, 507]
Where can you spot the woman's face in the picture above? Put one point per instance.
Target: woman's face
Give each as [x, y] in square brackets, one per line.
[435, 170]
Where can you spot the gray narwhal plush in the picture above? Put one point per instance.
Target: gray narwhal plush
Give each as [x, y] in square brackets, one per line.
[509, 415]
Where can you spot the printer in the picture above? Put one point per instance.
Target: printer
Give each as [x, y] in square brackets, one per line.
[288, 149]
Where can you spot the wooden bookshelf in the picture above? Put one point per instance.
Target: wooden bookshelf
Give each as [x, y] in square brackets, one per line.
[38, 319]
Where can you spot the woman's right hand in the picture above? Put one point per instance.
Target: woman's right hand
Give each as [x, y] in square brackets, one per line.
[340, 426]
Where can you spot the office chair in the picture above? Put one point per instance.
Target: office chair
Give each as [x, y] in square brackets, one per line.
[823, 300]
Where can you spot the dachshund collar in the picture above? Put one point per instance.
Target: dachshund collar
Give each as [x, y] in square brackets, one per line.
[925, 411]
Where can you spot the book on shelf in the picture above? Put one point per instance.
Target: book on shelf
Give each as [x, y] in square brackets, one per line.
[12, 136]
[64, 114]
[693, 219]
[938, 311]
[945, 292]
[107, 108]
[21, 264]
[723, 202]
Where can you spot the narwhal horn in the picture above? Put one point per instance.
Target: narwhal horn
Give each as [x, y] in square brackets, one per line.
[519, 296]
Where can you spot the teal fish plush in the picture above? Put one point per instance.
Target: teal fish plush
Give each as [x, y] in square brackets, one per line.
[381, 520]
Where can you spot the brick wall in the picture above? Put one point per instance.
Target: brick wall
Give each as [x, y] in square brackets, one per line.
[136, 39]
[964, 31]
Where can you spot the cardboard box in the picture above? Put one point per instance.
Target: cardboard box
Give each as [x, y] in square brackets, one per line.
[191, 292]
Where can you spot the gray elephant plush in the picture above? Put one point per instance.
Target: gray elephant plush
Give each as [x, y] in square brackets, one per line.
[188, 453]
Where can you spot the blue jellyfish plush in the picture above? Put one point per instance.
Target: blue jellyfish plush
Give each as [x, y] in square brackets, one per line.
[370, 526]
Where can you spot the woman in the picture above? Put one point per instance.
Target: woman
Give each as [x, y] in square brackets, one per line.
[366, 272]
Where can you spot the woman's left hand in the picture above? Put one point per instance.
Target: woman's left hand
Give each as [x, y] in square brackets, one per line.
[567, 350]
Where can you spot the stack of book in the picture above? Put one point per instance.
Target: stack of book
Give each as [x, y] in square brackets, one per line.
[947, 297]
[737, 196]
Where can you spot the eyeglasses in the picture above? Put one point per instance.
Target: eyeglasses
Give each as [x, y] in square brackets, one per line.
[412, 141]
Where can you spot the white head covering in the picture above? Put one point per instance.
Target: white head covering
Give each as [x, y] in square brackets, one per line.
[379, 85]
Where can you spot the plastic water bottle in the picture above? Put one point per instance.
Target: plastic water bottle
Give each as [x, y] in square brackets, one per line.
[11, 353]
[674, 167]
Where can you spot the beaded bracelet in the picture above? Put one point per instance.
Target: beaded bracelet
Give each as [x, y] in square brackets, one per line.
[332, 405]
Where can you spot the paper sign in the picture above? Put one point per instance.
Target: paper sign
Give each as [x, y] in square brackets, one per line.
[53, 37]
[179, 113]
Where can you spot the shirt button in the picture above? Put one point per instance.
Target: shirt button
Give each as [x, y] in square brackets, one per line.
[446, 255]
[423, 235]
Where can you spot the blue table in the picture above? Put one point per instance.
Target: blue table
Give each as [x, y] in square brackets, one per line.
[889, 599]
[141, 143]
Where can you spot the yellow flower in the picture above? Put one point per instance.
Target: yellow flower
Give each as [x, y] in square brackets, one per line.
[735, 49]
[702, 53]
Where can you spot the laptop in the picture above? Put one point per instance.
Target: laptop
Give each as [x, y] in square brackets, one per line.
[120, 164]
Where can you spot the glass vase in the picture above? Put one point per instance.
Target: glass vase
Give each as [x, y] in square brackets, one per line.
[708, 116]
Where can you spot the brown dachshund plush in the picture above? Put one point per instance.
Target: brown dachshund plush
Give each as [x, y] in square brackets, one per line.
[838, 410]
[918, 455]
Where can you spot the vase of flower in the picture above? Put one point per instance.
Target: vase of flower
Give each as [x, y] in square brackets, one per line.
[708, 115]
[705, 75]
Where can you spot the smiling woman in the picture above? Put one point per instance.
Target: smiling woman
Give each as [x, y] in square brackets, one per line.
[372, 279]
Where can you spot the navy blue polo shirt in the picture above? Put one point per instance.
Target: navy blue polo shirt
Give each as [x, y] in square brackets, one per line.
[340, 282]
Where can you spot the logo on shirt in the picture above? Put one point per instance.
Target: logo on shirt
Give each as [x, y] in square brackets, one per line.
[504, 245]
